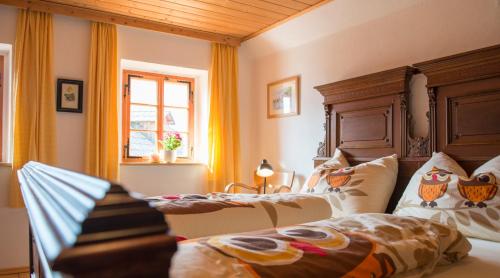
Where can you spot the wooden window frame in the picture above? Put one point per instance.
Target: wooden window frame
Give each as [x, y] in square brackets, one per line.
[2, 88]
[160, 78]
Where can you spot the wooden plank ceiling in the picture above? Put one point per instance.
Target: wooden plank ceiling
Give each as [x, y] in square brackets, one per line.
[227, 21]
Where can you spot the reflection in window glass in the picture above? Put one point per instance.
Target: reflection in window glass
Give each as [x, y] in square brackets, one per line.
[176, 94]
[143, 91]
[176, 119]
[142, 143]
[143, 117]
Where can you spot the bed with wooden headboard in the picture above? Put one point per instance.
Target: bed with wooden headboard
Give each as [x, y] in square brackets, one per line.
[367, 117]
[87, 227]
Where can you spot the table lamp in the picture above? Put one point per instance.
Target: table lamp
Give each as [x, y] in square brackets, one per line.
[265, 170]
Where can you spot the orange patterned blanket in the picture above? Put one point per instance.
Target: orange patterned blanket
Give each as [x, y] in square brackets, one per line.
[364, 245]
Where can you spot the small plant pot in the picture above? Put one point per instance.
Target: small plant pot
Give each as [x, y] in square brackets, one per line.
[169, 156]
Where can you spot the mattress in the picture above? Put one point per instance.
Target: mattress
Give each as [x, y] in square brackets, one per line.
[483, 261]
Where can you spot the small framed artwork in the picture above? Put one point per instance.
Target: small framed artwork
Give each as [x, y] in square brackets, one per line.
[283, 97]
[69, 95]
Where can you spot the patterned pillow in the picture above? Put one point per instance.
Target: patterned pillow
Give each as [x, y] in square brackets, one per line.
[366, 187]
[363, 188]
[316, 182]
[440, 190]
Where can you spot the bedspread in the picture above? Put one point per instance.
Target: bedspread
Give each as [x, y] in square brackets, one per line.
[363, 245]
[193, 215]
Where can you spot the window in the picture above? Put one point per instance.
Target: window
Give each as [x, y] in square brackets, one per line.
[2, 77]
[153, 106]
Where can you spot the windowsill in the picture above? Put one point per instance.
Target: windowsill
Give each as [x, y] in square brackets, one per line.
[5, 164]
[147, 163]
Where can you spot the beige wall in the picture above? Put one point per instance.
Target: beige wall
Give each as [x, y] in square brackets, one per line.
[71, 52]
[159, 48]
[392, 34]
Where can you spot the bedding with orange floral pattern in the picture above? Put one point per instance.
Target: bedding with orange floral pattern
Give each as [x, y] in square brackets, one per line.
[363, 245]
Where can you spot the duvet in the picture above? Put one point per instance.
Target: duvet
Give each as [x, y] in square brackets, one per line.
[192, 215]
[363, 245]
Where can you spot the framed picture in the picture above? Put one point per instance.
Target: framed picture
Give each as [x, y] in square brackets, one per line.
[69, 95]
[283, 97]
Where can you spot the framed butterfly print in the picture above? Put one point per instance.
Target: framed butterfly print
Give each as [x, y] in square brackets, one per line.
[69, 96]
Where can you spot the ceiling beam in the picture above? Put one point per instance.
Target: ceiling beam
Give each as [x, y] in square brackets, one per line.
[113, 18]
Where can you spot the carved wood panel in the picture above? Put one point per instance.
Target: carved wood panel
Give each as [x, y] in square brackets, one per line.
[474, 119]
[467, 125]
[367, 116]
[369, 128]
[464, 99]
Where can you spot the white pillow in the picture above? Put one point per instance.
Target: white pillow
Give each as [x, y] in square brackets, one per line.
[440, 190]
[316, 182]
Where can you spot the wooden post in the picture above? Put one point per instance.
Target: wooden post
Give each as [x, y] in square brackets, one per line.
[87, 227]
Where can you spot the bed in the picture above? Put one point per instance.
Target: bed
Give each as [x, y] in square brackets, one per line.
[384, 99]
[86, 227]
[481, 262]
[192, 216]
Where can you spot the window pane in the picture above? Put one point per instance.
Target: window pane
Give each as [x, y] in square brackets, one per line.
[143, 117]
[183, 150]
[142, 143]
[176, 94]
[143, 91]
[176, 119]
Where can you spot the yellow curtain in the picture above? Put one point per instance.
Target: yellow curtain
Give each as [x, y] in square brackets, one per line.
[223, 124]
[33, 84]
[101, 156]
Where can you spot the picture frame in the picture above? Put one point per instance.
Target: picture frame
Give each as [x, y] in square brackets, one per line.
[69, 96]
[283, 97]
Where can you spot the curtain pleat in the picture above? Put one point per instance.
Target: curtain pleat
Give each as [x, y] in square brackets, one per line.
[223, 125]
[102, 150]
[34, 96]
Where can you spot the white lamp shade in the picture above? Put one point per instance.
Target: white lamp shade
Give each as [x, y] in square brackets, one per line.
[264, 169]
[265, 173]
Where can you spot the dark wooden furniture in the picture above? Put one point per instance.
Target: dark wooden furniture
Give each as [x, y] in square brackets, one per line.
[464, 105]
[86, 227]
[367, 117]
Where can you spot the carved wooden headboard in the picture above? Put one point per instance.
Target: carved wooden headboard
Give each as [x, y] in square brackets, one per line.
[464, 99]
[367, 117]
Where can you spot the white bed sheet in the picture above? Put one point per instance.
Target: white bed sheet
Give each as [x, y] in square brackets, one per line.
[483, 262]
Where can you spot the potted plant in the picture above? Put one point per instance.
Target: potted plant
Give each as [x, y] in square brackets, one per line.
[170, 144]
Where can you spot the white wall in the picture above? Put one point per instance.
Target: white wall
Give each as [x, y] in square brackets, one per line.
[153, 180]
[344, 39]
